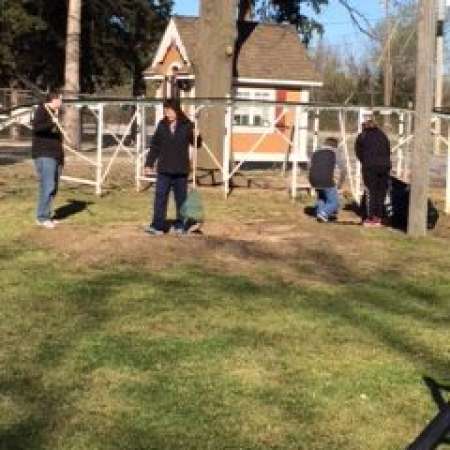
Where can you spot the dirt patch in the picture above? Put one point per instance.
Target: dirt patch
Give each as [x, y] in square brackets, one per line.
[296, 251]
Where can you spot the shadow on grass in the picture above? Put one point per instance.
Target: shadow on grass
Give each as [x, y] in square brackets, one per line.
[92, 303]
[71, 208]
[26, 381]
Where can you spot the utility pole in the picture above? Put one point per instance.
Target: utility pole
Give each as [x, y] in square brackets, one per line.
[441, 14]
[388, 83]
[420, 166]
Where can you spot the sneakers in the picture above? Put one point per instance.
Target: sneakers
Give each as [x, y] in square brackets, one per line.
[372, 223]
[179, 230]
[153, 231]
[189, 227]
[48, 224]
[322, 218]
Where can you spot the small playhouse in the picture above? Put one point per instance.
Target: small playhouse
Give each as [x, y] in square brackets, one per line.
[272, 65]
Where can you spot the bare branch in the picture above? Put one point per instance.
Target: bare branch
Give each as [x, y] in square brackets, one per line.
[360, 20]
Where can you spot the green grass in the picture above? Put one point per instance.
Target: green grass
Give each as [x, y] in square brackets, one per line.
[120, 355]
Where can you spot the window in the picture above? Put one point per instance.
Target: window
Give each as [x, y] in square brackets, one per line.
[260, 116]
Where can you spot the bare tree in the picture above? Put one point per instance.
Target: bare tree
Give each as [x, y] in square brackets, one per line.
[245, 9]
[215, 71]
[72, 70]
[423, 142]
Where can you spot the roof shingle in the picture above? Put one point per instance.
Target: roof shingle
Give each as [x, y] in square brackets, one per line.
[263, 51]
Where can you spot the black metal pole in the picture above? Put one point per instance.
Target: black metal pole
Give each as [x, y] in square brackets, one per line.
[434, 433]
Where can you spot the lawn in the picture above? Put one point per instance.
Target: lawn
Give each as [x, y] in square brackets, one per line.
[270, 331]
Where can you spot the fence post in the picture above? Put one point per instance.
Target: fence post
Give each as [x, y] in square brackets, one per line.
[447, 190]
[409, 132]
[316, 130]
[228, 142]
[99, 166]
[296, 153]
[344, 146]
[400, 150]
[140, 143]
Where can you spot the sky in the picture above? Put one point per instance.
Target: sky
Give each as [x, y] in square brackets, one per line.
[339, 29]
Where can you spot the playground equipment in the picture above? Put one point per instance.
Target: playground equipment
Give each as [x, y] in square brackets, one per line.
[309, 122]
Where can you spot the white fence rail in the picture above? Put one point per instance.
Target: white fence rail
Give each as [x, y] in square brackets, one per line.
[305, 132]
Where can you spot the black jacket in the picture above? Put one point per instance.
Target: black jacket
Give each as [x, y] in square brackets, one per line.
[323, 167]
[47, 139]
[373, 149]
[171, 150]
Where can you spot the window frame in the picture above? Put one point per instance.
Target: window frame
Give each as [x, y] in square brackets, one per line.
[255, 111]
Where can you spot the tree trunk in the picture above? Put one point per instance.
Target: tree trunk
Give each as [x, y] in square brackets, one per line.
[423, 143]
[245, 10]
[215, 72]
[72, 71]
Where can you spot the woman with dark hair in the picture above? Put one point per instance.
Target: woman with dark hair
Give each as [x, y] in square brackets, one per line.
[47, 153]
[169, 152]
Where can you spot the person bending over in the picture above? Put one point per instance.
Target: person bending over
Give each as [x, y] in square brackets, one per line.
[169, 152]
[48, 156]
[373, 150]
[322, 174]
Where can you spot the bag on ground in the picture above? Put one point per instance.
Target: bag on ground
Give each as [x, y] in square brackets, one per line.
[192, 208]
[397, 206]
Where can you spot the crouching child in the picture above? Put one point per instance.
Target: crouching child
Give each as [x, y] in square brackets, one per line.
[325, 162]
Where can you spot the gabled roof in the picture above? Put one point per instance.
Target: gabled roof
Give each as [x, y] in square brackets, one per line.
[264, 51]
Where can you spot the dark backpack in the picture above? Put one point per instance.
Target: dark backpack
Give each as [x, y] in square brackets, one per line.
[397, 206]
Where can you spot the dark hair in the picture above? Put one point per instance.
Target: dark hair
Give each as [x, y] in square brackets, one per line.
[52, 94]
[172, 103]
[369, 123]
[331, 142]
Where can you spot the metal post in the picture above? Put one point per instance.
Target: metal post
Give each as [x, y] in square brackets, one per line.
[316, 130]
[296, 153]
[99, 166]
[228, 142]
[358, 170]
[400, 150]
[195, 149]
[342, 126]
[409, 132]
[140, 143]
[303, 120]
[439, 88]
[447, 194]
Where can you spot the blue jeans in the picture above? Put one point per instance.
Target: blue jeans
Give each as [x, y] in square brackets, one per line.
[327, 202]
[48, 171]
[164, 184]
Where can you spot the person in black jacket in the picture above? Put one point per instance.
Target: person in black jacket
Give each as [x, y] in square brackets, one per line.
[373, 150]
[324, 162]
[47, 153]
[169, 151]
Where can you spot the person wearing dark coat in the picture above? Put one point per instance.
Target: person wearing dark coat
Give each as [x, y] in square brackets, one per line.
[48, 156]
[169, 156]
[322, 176]
[373, 150]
